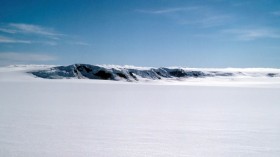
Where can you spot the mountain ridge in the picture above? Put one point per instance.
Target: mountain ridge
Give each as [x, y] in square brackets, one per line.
[131, 73]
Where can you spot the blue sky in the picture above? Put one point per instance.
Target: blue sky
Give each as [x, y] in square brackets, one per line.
[193, 33]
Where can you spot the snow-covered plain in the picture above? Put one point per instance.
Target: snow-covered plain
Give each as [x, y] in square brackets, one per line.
[197, 117]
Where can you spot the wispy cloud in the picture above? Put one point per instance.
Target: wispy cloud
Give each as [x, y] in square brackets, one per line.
[80, 43]
[209, 20]
[13, 33]
[252, 34]
[22, 28]
[240, 3]
[276, 13]
[194, 15]
[7, 30]
[15, 57]
[50, 43]
[8, 40]
[166, 10]
[11, 40]
[27, 33]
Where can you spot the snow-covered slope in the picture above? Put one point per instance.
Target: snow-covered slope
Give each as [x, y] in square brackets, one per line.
[129, 73]
[100, 118]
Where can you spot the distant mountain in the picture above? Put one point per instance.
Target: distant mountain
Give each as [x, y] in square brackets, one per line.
[130, 73]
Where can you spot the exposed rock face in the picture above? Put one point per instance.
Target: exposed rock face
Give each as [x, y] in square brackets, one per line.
[86, 71]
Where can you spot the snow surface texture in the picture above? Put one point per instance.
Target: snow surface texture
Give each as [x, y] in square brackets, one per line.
[85, 118]
[129, 73]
